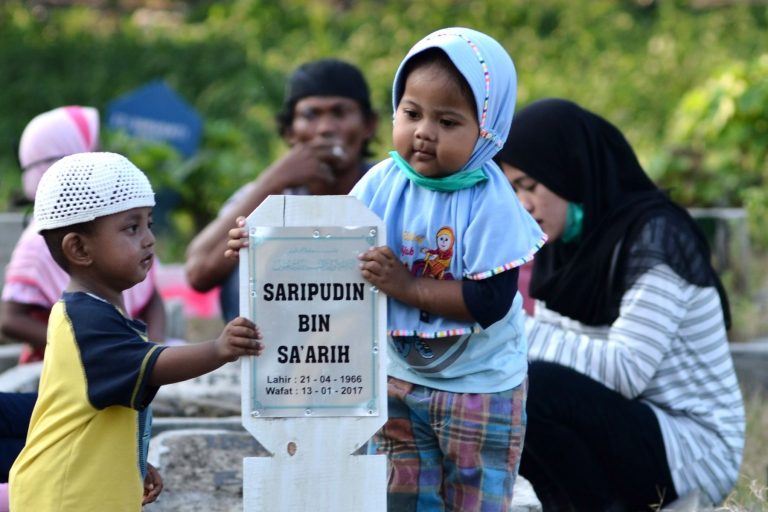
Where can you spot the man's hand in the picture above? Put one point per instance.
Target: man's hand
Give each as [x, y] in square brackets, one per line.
[310, 162]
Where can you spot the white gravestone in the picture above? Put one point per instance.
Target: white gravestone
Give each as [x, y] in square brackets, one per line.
[318, 393]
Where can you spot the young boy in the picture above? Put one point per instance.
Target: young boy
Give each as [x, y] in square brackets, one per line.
[456, 235]
[33, 280]
[87, 441]
[458, 354]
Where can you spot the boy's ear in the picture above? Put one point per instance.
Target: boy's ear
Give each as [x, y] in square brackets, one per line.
[75, 249]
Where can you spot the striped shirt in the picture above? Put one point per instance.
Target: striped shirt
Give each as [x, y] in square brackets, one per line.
[668, 348]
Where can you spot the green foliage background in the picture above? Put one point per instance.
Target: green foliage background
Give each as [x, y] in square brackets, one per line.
[686, 80]
[641, 63]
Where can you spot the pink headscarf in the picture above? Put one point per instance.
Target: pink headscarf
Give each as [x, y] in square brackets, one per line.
[32, 276]
[52, 135]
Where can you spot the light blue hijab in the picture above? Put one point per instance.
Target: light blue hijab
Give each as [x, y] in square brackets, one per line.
[493, 232]
[489, 71]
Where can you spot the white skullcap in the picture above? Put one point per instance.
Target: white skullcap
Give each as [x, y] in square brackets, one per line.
[84, 186]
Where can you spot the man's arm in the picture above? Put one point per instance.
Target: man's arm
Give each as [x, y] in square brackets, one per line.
[206, 265]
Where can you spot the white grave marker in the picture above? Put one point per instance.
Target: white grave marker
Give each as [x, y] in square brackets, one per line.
[318, 392]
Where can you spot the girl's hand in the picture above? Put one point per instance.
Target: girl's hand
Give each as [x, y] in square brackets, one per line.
[238, 238]
[380, 267]
[240, 337]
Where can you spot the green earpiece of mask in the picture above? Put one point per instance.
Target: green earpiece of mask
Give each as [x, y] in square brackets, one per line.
[574, 217]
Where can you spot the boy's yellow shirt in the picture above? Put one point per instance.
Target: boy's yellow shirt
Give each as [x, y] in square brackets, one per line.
[84, 447]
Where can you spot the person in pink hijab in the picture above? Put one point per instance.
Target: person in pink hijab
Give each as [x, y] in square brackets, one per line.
[52, 135]
[33, 281]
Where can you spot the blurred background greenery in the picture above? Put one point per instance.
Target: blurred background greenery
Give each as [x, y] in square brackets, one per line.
[687, 80]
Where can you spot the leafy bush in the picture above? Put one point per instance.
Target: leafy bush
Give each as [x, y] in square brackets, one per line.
[717, 144]
[630, 60]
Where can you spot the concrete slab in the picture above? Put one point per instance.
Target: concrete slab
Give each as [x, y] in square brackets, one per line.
[524, 498]
[165, 424]
[202, 470]
[22, 378]
[689, 503]
[9, 355]
[750, 359]
[214, 394]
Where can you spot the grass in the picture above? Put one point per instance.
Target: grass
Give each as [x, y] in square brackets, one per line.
[751, 492]
[750, 321]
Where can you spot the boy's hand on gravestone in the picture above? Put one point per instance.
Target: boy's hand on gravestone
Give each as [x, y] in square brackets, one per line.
[240, 337]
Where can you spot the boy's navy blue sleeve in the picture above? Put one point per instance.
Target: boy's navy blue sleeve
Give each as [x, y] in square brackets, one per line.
[489, 300]
[117, 359]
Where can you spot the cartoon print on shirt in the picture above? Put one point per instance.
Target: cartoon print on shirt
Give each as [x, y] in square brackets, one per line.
[435, 265]
[437, 262]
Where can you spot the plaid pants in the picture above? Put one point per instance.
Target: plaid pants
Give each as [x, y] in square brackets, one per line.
[451, 451]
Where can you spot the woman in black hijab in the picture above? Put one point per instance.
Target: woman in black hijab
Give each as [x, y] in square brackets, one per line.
[633, 398]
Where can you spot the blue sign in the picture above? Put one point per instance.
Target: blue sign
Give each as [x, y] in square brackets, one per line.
[155, 112]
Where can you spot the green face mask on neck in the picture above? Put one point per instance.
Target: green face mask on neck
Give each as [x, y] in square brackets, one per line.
[574, 217]
[452, 183]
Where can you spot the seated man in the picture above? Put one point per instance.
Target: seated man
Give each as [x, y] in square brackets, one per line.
[327, 121]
